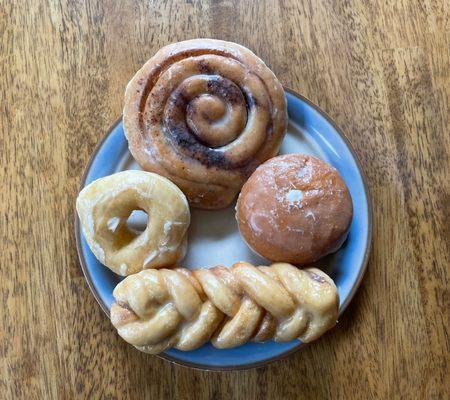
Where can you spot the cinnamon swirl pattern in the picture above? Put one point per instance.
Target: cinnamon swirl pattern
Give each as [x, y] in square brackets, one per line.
[204, 113]
[158, 309]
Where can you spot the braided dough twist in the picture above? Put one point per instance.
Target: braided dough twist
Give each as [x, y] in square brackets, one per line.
[204, 113]
[158, 309]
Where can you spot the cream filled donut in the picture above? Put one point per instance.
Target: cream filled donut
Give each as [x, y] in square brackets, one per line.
[105, 205]
[294, 208]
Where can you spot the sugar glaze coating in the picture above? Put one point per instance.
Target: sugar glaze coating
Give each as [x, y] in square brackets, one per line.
[158, 309]
[204, 113]
[105, 205]
[294, 208]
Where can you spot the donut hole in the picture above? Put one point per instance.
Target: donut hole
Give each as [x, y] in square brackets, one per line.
[137, 221]
[121, 230]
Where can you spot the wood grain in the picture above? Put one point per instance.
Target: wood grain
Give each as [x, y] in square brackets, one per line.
[381, 69]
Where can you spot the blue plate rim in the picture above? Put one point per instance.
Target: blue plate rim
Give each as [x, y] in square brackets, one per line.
[287, 353]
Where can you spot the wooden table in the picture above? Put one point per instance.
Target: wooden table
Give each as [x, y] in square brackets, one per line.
[380, 69]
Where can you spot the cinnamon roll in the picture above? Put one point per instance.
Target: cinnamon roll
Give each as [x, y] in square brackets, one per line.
[204, 113]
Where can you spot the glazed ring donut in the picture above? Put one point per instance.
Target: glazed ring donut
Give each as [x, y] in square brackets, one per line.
[158, 309]
[204, 113]
[105, 205]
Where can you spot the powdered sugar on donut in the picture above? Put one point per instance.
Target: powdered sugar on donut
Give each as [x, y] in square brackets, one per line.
[305, 173]
[294, 208]
[294, 197]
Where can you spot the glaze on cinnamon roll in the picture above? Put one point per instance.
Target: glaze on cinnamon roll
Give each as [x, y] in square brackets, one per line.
[204, 113]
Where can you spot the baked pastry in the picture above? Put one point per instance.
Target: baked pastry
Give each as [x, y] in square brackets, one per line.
[204, 113]
[294, 208]
[158, 309]
[105, 205]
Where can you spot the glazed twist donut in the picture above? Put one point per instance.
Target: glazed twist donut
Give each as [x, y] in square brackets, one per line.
[105, 205]
[204, 113]
[158, 309]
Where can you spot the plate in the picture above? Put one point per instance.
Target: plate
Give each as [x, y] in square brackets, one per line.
[214, 238]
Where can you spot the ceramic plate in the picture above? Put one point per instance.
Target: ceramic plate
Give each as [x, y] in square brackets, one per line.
[214, 237]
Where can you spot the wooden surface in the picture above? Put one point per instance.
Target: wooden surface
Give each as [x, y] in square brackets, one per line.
[380, 69]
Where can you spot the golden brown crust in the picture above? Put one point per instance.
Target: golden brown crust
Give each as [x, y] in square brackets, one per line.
[204, 113]
[244, 303]
[294, 208]
[105, 205]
